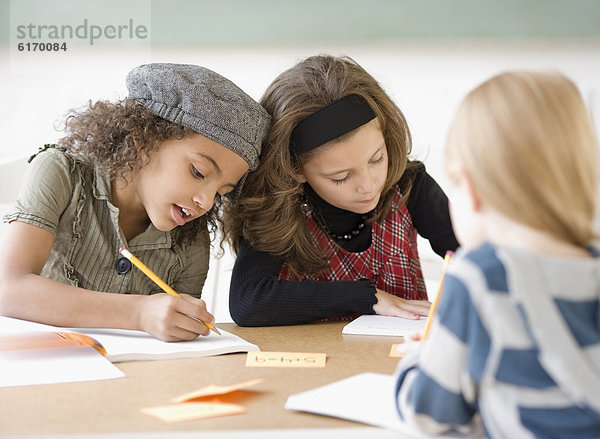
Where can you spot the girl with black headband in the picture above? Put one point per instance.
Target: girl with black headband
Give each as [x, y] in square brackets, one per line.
[326, 227]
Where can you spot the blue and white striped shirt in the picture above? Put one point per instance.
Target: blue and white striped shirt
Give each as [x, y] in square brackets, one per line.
[514, 347]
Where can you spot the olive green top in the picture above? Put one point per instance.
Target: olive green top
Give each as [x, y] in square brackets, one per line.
[64, 194]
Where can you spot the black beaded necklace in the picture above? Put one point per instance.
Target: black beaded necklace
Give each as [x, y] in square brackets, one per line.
[306, 209]
[344, 237]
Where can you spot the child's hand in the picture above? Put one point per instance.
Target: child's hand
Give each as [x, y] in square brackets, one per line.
[169, 318]
[412, 341]
[390, 305]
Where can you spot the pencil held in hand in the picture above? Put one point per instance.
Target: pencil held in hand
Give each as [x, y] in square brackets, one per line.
[158, 281]
[438, 293]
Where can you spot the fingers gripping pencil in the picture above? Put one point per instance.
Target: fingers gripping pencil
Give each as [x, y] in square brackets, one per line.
[158, 281]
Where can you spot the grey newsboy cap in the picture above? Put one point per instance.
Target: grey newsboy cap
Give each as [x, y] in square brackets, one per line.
[206, 102]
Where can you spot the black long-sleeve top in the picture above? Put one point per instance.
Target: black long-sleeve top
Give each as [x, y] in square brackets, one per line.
[257, 296]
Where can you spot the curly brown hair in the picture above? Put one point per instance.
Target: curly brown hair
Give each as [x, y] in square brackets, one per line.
[267, 214]
[119, 138]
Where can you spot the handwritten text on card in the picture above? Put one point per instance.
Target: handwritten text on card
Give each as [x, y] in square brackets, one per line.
[285, 359]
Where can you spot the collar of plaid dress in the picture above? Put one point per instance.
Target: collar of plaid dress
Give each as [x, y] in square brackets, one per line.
[330, 122]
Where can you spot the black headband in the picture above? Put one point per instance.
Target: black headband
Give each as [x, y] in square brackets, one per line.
[330, 122]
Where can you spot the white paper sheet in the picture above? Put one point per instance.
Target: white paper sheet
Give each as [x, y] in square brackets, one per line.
[383, 325]
[366, 397]
[49, 366]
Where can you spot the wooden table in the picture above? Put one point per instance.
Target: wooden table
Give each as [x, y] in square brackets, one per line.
[112, 406]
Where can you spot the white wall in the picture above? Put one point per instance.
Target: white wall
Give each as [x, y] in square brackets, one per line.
[426, 79]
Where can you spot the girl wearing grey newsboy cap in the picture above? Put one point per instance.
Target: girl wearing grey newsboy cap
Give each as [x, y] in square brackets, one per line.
[148, 174]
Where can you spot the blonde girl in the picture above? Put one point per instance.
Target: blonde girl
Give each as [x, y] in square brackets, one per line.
[326, 227]
[518, 318]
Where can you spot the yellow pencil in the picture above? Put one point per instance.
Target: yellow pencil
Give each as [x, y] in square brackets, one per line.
[438, 293]
[158, 281]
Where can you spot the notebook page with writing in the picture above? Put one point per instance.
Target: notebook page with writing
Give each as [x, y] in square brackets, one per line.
[383, 325]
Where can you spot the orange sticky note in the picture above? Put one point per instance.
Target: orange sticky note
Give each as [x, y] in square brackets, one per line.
[193, 410]
[216, 390]
[394, 351]
[47, 340]
[285, 359]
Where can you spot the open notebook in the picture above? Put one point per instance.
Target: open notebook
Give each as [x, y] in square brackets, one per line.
[123, 345]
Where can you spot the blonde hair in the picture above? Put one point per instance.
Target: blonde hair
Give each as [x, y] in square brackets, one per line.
[528, 145]
[267, 213]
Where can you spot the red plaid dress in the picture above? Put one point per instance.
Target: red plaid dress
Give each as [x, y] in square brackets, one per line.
[391, 263]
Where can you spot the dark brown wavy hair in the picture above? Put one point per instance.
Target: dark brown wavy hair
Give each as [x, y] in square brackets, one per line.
[118, 138]
[267, 214]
